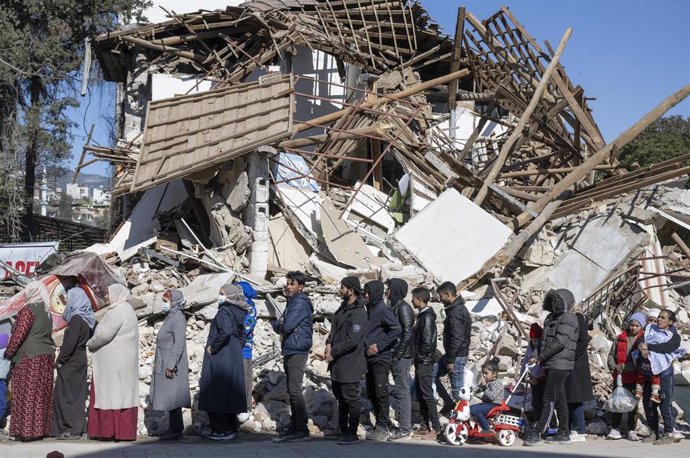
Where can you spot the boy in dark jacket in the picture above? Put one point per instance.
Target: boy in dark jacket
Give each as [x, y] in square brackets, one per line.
[457, 330]
[295, 330]
[380, 337]
[402, 357]
[557, 356]
[424, 350]
[345, 354]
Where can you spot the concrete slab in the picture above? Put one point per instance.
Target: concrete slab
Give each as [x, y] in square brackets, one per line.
[370, 203]
[286, 248]
[452, 237]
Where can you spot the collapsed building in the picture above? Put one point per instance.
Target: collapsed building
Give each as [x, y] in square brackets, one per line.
[341, 137]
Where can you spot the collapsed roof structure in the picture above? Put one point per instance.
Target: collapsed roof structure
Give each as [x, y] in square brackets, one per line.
[333, 126]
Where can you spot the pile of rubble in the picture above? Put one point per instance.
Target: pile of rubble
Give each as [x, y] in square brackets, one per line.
[344, 139]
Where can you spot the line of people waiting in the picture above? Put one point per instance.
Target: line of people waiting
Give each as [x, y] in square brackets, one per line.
[374, 334]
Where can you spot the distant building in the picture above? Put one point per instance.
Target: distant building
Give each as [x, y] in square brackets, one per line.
[101, 196]
[77, 192]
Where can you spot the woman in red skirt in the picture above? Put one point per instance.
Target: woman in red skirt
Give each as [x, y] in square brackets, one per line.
[32, 353]
[115, 387]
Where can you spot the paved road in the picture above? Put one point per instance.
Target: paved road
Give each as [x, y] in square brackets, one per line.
[259, 447]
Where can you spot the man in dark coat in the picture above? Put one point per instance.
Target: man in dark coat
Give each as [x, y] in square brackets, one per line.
[170, 383]
[345, 354]
[557, 357]
[380, 337]
[402, 357]
[578, 385]
[457, 331]
[221, 386]
[424, 338]
[295, 329]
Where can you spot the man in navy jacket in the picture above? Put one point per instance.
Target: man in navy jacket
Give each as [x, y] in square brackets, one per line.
[295, 329]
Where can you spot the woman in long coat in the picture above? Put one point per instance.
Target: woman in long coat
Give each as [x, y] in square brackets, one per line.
[71, 386]
[32, 352]
[578, 385]
[221, 388]
[170, 384]
[113, 406]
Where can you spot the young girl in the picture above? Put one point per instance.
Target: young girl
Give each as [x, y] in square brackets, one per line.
[621, 362]
[492, 394]
[537, 376]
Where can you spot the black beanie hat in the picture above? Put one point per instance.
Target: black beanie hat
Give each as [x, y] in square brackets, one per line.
[352, 283]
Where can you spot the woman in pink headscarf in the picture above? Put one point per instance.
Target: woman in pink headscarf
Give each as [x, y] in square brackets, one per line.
[32, 352]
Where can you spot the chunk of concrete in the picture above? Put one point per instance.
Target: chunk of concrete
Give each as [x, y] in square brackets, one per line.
[452, 237]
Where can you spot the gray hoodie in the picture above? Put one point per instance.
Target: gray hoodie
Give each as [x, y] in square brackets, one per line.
[561, 328]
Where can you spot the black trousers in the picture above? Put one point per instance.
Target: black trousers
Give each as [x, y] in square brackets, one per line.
[424, 379]
[294, 366]
[377, 388]
[175, 422]
[222, 423]
[554, 400]
[538, 398]
[349, 405]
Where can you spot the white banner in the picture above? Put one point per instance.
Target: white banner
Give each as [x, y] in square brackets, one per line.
[25, 257]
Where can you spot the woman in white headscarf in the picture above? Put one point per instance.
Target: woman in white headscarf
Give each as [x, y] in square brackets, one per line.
[32, 352]
[115, 386]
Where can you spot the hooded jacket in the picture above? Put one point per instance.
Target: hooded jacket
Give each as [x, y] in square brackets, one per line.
[383, 328]
[347, 343]
[403, 312]
[457, 330]
[561, 330]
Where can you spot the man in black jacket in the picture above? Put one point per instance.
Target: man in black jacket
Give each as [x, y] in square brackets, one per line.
[345, 354]
[295, 329]
[380, 337]
[424, 350]
[402, 357]
[457, 329]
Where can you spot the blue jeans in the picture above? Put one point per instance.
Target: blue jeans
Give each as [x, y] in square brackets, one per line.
[456, 379]
[651, 409]
[3, 397]
[577, 417]
[480, 411]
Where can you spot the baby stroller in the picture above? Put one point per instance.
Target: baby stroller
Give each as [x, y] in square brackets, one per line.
[504, 427]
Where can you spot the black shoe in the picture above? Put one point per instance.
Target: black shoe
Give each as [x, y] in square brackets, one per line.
[284, 434]
[400, 435]
[170, 436]
[299, 436]
[532, 440]
[349, 439]
[561, 439]
[68, 437]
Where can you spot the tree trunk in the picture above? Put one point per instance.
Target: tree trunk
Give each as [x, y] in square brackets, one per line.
[32, 157]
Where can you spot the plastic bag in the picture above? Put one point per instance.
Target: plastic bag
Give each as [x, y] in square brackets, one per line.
[621, 400]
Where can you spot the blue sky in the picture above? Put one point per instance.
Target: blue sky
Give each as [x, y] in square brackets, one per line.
[628, 54]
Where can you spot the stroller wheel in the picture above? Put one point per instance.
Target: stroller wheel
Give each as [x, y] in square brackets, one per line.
[456, 433]
[506, 437]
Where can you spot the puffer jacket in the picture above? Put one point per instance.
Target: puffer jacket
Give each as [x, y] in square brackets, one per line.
[403, 312]
[383, 328]
[424, 338]
[296, 327]
[561, 329]
[457, 330]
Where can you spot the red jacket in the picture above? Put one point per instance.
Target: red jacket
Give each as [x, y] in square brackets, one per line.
[622, 356]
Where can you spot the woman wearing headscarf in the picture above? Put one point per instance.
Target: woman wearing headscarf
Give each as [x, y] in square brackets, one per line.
[115, 386]
[71, 386]
[221, 388]
[170, 384]
[32, 352]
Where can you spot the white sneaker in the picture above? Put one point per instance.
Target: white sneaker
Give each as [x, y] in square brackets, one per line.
[632, 436]
[677, 436]
[614, 434]
[577, 437]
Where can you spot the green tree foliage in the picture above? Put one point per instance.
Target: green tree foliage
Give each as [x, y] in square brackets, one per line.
[41, 53]
[65, 210]
[665, 139]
